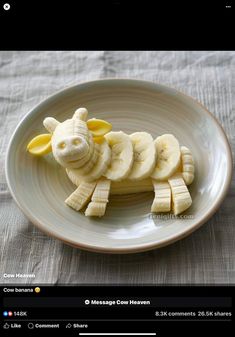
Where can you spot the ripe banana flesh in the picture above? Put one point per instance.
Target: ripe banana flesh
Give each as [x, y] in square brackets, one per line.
[121, 155]
[97, 170]
[102, 163]
[162, 200]
[84, 160]
[99, 199]
[72, 143]
[90, 162]
[81, 113]
[187, 165]
[144, 155]
[76, 179]
[181, 199]
[127, 186]
[81, 196]
[168, 157]
[96, 209]
[50, 124]
[119, 187]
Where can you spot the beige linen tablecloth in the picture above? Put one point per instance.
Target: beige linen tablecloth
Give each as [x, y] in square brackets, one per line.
[206, 256]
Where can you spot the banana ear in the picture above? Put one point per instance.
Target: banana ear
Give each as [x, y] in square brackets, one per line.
[98, 140]
[98, 127]
[40, 145]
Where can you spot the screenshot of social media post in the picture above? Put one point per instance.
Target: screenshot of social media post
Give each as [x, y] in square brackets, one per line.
[116, 191]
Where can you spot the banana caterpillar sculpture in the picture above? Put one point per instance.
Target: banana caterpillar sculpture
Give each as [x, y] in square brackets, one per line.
[101, 162]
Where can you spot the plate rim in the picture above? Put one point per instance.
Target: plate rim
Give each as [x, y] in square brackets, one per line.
[139, 247]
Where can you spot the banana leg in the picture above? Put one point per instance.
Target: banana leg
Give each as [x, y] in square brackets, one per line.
[187, 165]
[162, 200]
[81, 196]
[99, 199]
[181, 199]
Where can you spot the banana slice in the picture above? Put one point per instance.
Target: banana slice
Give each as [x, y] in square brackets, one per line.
[181, 199]
[187, 165]
[96, 209]
[144, 155]
[81, 196]
[98, 169]
[121, 157]
[99, 199]
[162, 200]
[168, 157]
[127, 186]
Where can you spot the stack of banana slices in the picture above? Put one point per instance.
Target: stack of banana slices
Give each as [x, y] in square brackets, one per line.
[123, 164]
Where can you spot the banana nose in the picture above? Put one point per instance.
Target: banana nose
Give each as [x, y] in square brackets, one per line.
[74, 147]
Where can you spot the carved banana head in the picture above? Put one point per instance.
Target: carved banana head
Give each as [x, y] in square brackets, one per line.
[71, 141]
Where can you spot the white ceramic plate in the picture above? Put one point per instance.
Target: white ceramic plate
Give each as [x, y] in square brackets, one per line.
[40, 186]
